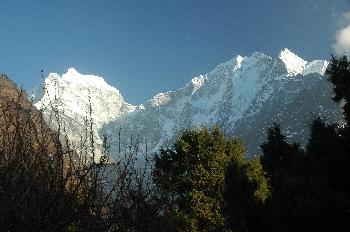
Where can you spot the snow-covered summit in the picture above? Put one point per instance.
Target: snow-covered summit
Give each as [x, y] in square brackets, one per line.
[73, 76]
[294, 64]
[72, 94]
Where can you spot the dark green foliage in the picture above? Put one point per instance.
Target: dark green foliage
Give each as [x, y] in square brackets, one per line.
[211, 185]
[326, 150]
[328, 177]
[338, 73]
[284, 166]
[280, 154]
[326, 200]
[307, 192]
[310, 189]
[339, 161]
[246, 194]
[192, 175]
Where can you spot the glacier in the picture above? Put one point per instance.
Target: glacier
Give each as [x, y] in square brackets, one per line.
[244, 96]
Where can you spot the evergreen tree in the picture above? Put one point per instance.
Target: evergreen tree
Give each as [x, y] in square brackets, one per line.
[212, 186]
[308, 187]
[322, 205]
[192, 175]
[246, 194]
[279, 154]
[338, 72]
[284, 164]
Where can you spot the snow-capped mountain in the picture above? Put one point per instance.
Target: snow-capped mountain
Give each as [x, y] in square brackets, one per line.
[79, 101]
[244, 96]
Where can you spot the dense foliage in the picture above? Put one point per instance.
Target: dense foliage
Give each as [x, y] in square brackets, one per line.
[310, 187]
[210, 184]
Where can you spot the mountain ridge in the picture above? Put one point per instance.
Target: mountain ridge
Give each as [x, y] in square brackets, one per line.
[231, 93]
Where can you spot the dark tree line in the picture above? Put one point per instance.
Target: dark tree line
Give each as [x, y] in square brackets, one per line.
[310, 187]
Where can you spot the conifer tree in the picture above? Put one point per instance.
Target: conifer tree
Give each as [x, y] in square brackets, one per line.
[192, 174]
[213, 187]
[246, 193]
[284, 166]
[338, 72]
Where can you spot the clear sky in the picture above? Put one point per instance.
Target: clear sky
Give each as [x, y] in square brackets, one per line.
[145, 47]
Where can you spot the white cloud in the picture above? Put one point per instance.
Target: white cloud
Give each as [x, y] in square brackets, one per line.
[341, 44]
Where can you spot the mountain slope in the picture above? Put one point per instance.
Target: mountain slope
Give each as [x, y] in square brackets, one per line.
[66, 102]
[22, 127]
[243, 96]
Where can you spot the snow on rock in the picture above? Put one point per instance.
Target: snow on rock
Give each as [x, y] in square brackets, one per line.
[316, 66]
[243, 95]
[294, 64]
[73, 76]
[73, 94]
[197, 82]
[160, 99]
[239, 60]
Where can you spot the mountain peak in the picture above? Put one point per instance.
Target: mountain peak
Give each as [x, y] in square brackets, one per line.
[74, 77]
[72, 71]
[294, 64]
[239, 60]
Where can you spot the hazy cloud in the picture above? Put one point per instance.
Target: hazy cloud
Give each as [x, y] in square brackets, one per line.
[341, 43]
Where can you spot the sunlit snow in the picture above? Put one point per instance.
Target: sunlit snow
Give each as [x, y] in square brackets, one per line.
[235, 92]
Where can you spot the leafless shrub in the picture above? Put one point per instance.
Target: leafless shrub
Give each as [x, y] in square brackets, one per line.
[47, 184]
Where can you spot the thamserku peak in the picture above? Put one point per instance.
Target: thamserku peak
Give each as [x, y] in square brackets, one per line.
[241, 95]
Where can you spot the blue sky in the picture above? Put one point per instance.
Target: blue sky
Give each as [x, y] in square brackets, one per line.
[146, 47]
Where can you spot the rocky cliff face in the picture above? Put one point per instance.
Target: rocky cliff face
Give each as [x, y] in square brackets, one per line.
[22, 126]
[244, 96]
